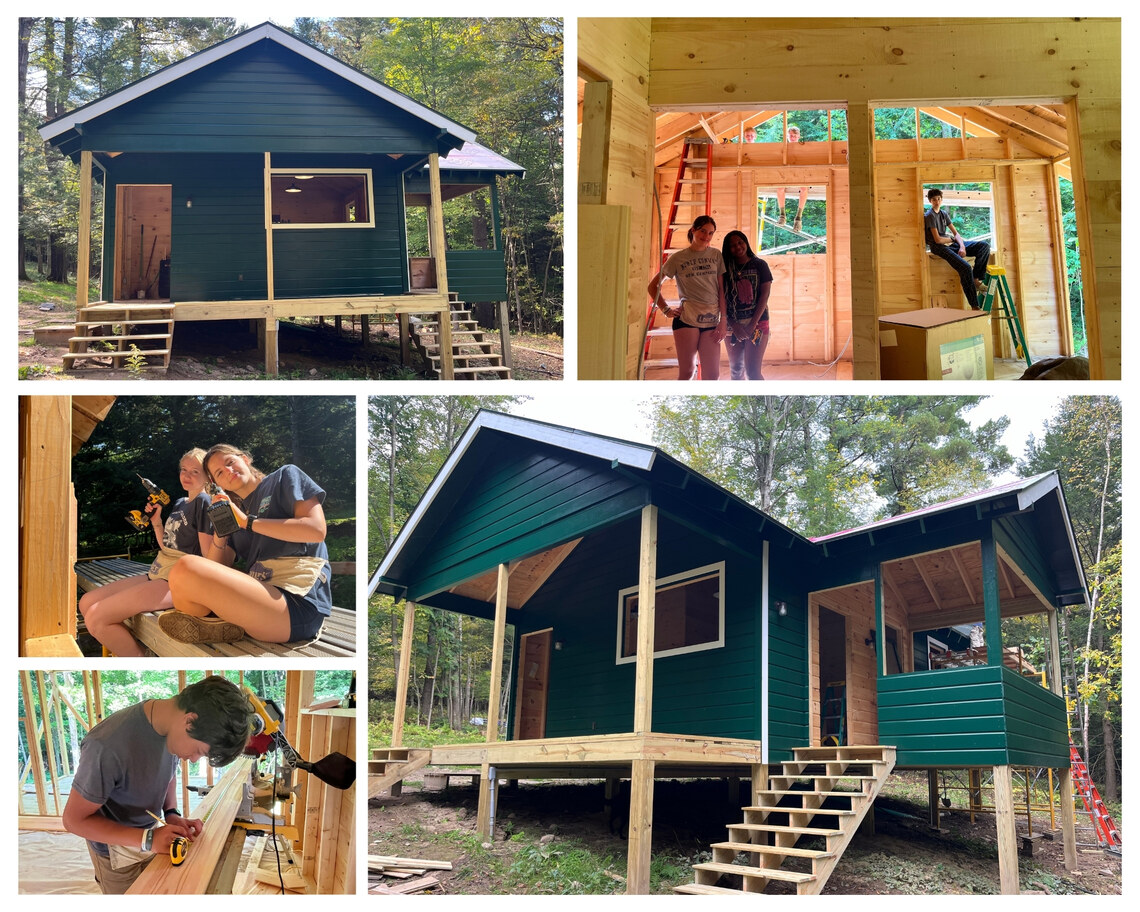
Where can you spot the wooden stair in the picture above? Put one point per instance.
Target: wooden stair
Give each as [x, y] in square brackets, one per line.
[821, 796]
[474, 355]
[104, 334]
[389, 765]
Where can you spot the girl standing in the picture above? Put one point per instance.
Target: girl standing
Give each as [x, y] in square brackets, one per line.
[747, 285]
[699, 322]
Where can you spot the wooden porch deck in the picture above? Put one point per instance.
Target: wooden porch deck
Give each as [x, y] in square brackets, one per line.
[606, 756]
[337, 638]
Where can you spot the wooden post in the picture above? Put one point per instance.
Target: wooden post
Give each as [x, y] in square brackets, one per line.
[33, 739]
[49, 741]
[83, 254]
[991, 599]
[1006, 829]
[402, 675]
[1056, 680]
[1068, 820]
[268, 331]
[640, 850]
[932, 796]
[646, 602]
[405, 341]
[880, 627]
[594, 152]
[47, 530]
[483, 819]
[864, 257]
[438, 251]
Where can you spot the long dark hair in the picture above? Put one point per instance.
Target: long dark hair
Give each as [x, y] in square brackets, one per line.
[701, 221]
[731, 268]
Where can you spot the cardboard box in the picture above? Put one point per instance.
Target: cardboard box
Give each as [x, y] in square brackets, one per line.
[936, 343]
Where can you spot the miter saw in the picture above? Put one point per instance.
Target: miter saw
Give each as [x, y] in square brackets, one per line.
[263, 792]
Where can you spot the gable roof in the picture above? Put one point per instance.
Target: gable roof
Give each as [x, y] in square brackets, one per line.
[679, 486]
[267, 31]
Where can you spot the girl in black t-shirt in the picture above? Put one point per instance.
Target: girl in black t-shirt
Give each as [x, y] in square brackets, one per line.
[747, 285]
[187, 530]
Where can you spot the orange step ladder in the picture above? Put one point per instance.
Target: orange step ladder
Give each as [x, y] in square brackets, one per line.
[691, 161]
[1107, 836]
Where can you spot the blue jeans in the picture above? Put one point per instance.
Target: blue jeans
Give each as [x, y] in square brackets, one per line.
[980, 251]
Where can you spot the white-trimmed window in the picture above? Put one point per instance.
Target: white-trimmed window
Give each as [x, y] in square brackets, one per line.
[321, 198]
[689, 614]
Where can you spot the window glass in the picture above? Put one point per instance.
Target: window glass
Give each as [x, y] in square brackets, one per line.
[321, 198]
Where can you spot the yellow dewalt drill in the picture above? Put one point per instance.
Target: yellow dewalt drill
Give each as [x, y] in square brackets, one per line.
[155, 495]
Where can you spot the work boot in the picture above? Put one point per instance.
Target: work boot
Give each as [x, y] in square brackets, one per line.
[186, 628]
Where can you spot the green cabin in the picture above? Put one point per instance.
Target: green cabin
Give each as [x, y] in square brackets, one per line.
[766, 645]
[262, 178]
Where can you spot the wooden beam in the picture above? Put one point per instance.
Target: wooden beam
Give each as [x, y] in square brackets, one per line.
[33, 740]
[217, 810]
[1068, 820]
[49, 742]
[439, 252]
[47, 593]
[594, 149]
[1006, 829]
[483, 819]
[404, 672]
[83, 254]
[992, 598]
[640, 850]
[646, 605]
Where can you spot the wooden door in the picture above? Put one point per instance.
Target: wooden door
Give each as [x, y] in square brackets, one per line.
[533, 685]
[142, 239]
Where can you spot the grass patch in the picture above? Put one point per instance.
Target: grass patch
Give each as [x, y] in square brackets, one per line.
[380, 731]
[564, 869]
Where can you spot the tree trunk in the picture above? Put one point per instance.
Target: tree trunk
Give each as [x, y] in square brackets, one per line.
[1111, 779]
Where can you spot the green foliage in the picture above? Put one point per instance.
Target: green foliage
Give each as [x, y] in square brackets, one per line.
[560, 868]
[502, 77]
[820, 464]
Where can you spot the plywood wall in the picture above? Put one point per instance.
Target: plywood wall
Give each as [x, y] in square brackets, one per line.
[617, 51]
[725, 64]
[810, 305]
[1025, 243]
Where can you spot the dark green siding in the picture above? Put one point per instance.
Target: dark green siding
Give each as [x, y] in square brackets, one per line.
[262, 99]
[712, 692]
[979, 716]
[526, 501]
[218, 244]
[788, 716]
[320, 262]
[477, 275]
[1014, 535]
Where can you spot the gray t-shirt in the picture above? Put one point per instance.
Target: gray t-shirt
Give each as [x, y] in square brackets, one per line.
[187, 518]
[124, 766]
[937, 221]
[698, 275]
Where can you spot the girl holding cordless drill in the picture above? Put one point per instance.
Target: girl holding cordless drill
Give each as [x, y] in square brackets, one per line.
[285, 593]
[185, 532]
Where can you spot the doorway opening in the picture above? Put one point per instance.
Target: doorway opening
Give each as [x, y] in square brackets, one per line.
[142, 242]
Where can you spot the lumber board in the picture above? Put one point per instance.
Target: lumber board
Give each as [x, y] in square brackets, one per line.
[218, 810]
[395, 861]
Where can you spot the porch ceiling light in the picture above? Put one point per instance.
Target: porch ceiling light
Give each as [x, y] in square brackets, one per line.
[303, 177]
[293, 188]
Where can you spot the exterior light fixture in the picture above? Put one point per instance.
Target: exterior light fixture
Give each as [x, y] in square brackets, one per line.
[293, 188]
[782, 609]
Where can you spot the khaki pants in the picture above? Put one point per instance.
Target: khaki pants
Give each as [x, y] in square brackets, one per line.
[111, 881]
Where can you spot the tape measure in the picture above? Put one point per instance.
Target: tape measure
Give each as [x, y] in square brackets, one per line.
[178, 850]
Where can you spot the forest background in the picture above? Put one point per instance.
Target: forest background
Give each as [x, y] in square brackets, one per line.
[818, 464]
[501, 77]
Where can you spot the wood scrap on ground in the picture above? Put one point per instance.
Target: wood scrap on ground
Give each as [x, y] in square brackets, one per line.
[399, 873]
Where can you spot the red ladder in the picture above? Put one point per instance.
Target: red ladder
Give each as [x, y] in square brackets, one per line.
[689, 161]
[1107, 836]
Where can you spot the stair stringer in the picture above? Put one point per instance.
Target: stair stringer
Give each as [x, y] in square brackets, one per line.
[767, 859]
[387, 767]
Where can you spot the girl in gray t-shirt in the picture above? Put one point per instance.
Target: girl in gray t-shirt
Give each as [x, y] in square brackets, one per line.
[699, 322]
[187, 530]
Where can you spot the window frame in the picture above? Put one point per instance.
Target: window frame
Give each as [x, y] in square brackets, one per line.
[674, 581]
[369, 193]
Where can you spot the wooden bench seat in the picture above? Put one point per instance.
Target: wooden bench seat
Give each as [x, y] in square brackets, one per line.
[337, 638]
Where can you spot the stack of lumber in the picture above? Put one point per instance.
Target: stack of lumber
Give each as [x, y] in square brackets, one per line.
[390, 874]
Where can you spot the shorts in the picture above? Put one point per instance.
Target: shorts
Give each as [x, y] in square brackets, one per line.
[305, 618]
[678, 323]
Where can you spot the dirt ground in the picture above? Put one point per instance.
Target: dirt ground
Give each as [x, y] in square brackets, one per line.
[903, 856]
[227, 351]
